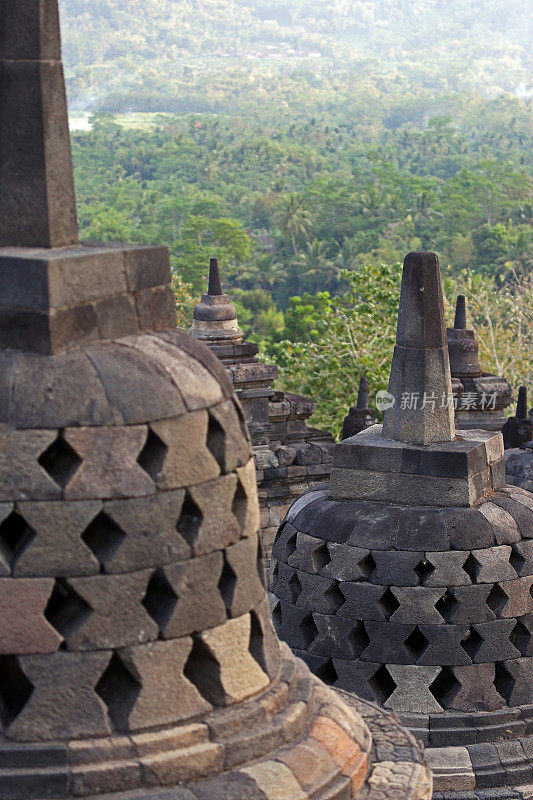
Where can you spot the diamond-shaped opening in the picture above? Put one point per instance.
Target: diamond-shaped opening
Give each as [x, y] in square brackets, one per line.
[103, 537]
[227, 584]
[290, 547]
[445, 687]
[15, 536]
[66, 611]
[424, 569]
[358, 640]
[160, 599]
[367, 565]
[335, 598]
[517, 561]
[497, 599]
[152, 456]
[15, 689]
[60, 461]
[257, 641]
[273, 578]
[190, 520]
[471, 643]
[119, 690]
[388, 603]
[320, 557]
[308, 630]
[503, 681]
[239, 508]
[382, 684]
[203, 670]
[416, 643]
[276, 616]
[295, 587]
[472, 567]
[447, 605]
[216, 441]
[327, 673]
[242, 420]
[520, 638]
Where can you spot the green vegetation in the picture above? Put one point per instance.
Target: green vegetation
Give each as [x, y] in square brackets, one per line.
[307, 145]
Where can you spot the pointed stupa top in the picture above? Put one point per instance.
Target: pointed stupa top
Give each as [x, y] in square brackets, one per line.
[521, 405]
[215, 317]
[463, 348]
[420, 380]
[37, 202]
[362, 396]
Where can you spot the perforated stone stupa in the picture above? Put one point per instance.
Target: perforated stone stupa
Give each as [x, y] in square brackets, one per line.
[137, 656]
[408, 578]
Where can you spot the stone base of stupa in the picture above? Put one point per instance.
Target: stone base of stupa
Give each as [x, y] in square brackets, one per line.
[299, 740]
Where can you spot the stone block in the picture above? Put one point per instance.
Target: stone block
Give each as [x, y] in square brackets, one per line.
[386, 643]
[513, 598]
[515, 762]
[474, 689]
[224, 669]
[146, 686]
[514, 681]
[344, 751]
[311, 496]
[452, 769]
[294, 624]
[357, 677]
[316, 593]
[241, 584]
[492, 565]
[138, 532]
[188, 764]
[103, 612]
[146, 267]
[21, 474]
[444, 645]
[345, 563]
[521, 515]
[202, 354]
[376, 526]
[338, 637]
[177, 451]
[503, 525]
[310, 763]
[24, 628]
[416, 604]
[310, 554]
[228, 439]
[367, 602]
[156, 308]
[207, 521]
[522, 557]
[412, 689]
[115, 316]
[264, 644]
[468, 529]
[56, 392]
[196, 378]
[466, 604]
[230, 786]
[422, 529]
[276, 780]
[51, 541]
[490, 641]
[245, 504]
[109, 463]
[395, 568]
[446, 569]
[62, 703]
[137, 388]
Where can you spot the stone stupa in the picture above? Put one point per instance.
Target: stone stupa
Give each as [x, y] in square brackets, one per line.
[480, 398]
[137, 657]
[408, 580]
[518, 442]
[359, 417]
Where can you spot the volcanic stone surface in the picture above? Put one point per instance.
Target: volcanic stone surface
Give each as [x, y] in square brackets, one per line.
[137, 655]
[408, 578]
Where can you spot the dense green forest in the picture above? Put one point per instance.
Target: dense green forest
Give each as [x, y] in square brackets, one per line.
[310, 146]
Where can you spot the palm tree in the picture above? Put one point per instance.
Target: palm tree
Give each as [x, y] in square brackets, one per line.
[293, 218]
[315, 265]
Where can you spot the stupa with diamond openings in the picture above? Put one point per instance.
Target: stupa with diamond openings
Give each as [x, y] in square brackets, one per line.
[408, 579]
[137, 657]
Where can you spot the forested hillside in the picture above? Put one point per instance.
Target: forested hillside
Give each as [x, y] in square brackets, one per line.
[310, 146]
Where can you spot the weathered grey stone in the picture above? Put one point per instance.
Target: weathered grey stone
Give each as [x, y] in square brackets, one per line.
[227, 439]
[155, 308]
[242, 585]
[63, 704]
[184, 459]
[395, 568]
[21, 475]
[476, 690]
[444, 645]
[145, 686]
[24, 628]
[446, 569]
[103, 612]
[53, 544]
[493, 564]
[109, 463]
[116, 316]
[489, 641]
[416, 603]
[412, 691]
[207, 521]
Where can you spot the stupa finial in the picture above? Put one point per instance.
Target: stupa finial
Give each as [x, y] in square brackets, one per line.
[460, 313]
[420, 380]
[37, 201]
[215, 286]
[362, 397]
[521, 405]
